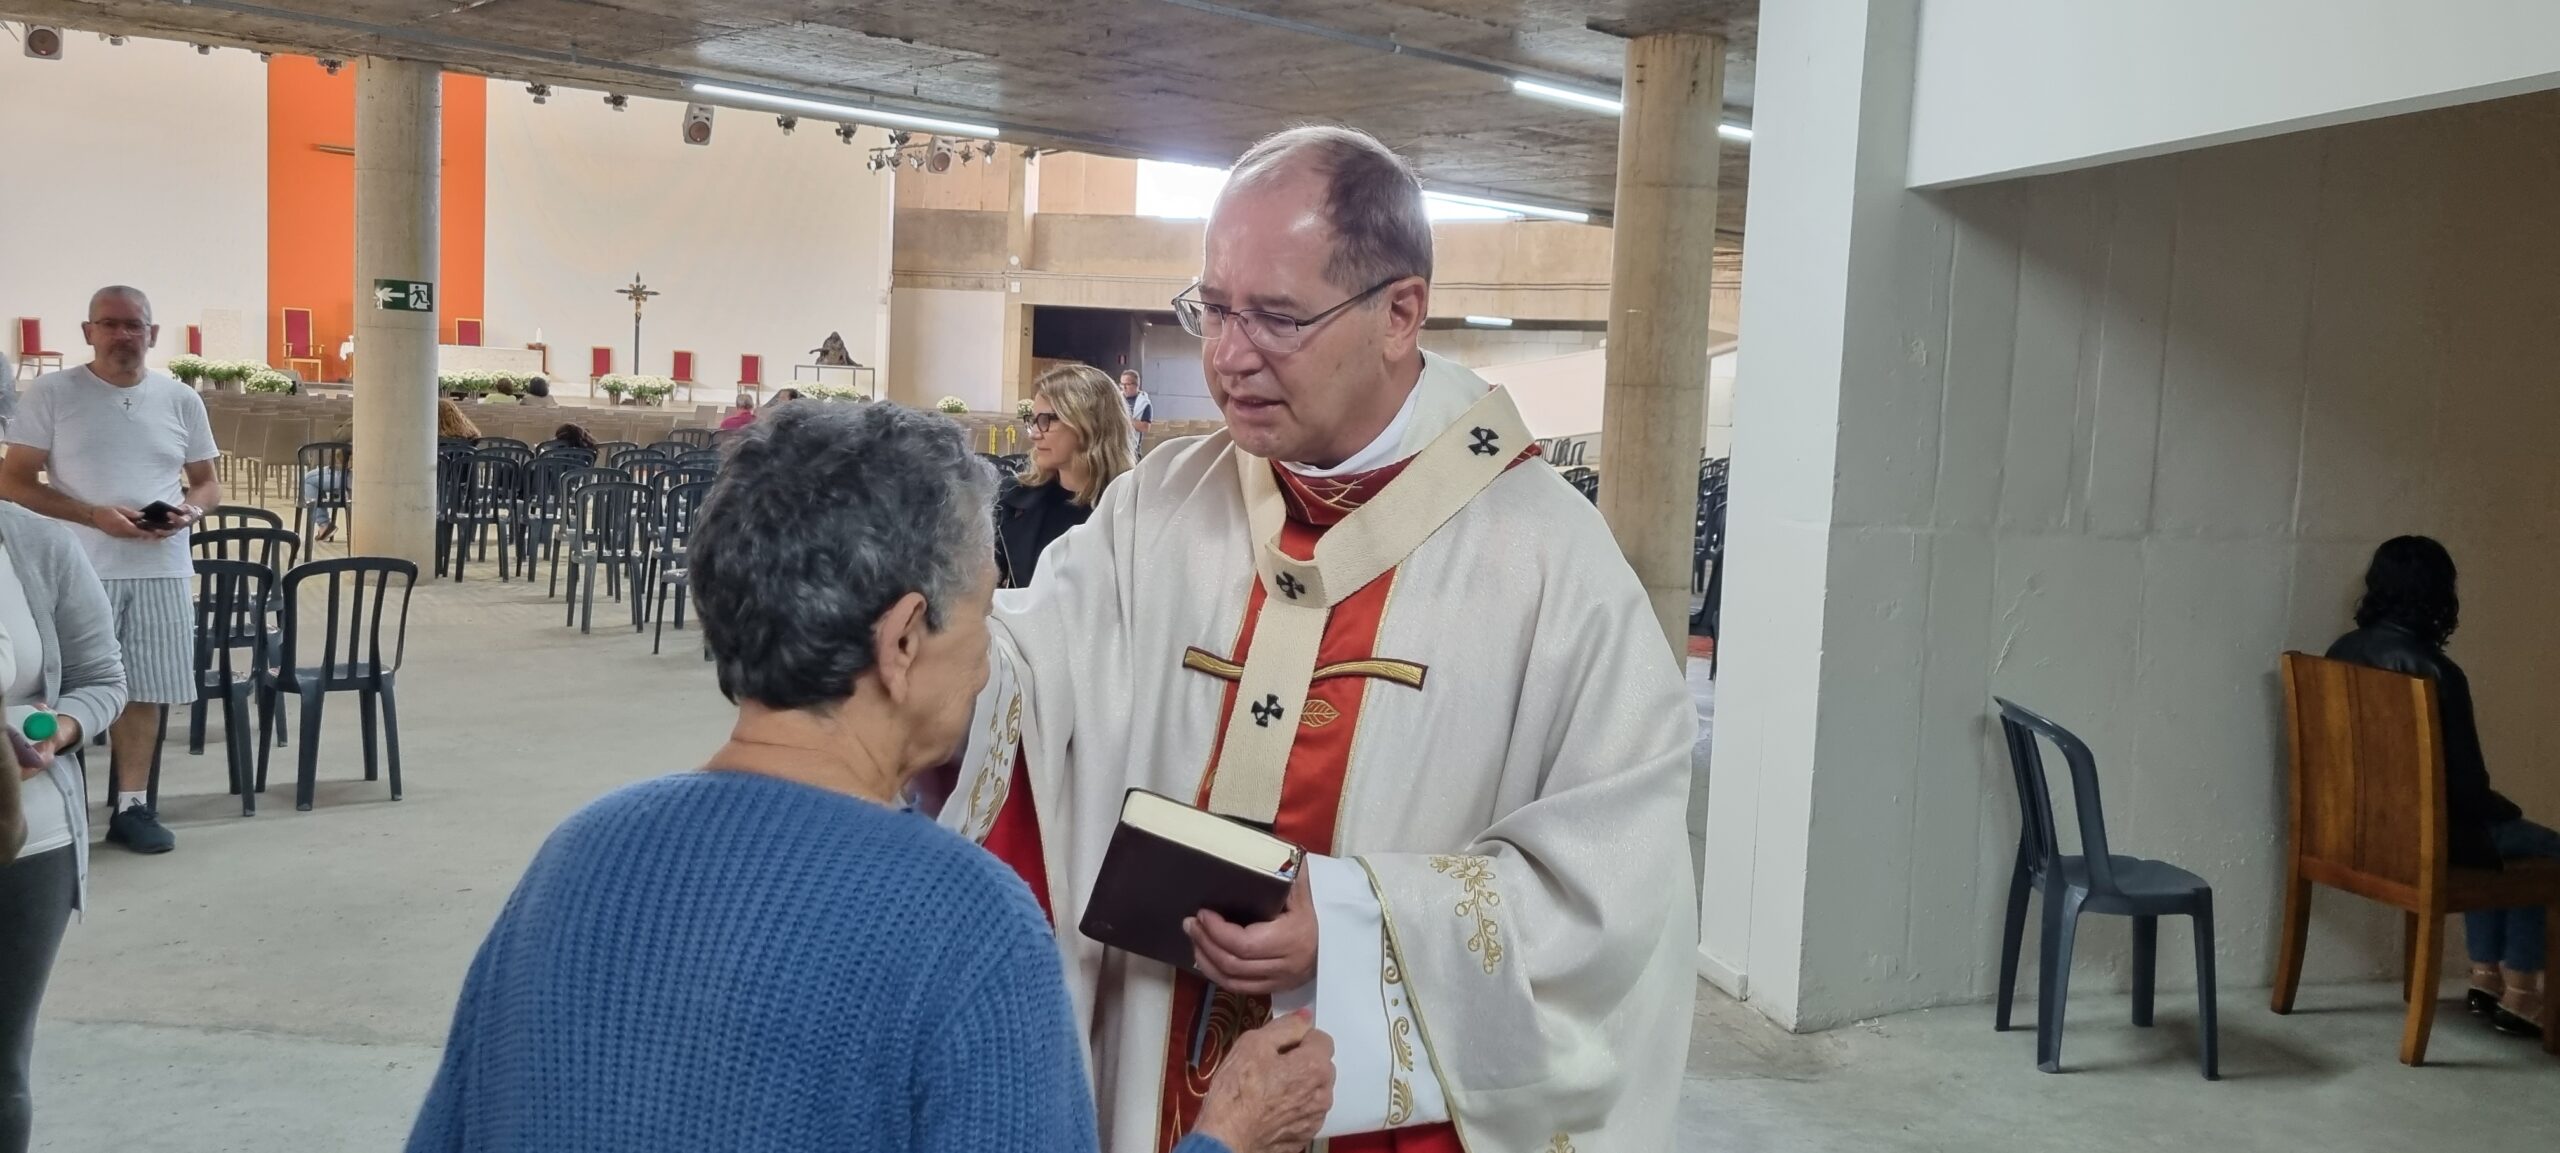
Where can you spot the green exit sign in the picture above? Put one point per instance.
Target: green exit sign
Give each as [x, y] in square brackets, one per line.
[404, 295]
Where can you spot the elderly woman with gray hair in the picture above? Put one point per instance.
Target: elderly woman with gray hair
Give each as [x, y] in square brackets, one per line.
[770, 953]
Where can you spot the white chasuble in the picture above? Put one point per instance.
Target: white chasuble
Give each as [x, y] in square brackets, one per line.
[1461, 687]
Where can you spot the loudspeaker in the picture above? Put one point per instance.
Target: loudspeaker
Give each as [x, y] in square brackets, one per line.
[44, 42]
[697, 124]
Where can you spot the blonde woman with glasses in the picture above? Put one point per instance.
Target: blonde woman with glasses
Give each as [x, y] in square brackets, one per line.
[1079, 445]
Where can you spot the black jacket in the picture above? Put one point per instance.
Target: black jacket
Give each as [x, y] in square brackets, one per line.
[2472, 808]
[1028, 517]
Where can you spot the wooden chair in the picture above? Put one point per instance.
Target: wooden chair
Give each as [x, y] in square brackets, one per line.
[751, 375]
[683, 376]
[33, 357]
[2369, 818]
[299, 343]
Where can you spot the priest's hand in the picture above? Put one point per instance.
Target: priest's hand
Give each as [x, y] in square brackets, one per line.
[1273, 1090]
[1257, 960]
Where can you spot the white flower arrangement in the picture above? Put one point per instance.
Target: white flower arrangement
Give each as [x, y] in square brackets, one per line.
[834, 392]
[645, 389]
[264, 379]
[953, 405]
[1022, 411]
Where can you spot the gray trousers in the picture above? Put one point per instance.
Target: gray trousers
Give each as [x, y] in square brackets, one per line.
[35, 903]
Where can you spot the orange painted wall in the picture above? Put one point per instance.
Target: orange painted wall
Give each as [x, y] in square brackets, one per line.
[311, 203]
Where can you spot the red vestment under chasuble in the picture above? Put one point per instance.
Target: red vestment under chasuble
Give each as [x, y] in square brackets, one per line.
[1460, 704]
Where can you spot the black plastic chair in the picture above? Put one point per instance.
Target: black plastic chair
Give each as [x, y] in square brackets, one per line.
[546, 488]
[607, 529]
[487, 443]
[1584, 481]
[489, 499]
[670, 448]
[337, 485]
[610, 451]
[644, 465]
[275, 549]
[238, 516]
[560, 529]
[355, 594]
[232, 597]
[694, 437]
[678, 511]
[699, 458]
[2096, 882]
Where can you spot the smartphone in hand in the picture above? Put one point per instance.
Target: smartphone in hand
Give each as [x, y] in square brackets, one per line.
[160, 515]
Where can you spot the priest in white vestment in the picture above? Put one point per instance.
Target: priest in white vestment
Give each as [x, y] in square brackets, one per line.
[1367, 617]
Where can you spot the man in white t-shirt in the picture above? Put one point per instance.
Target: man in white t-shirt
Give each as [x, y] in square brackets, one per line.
[1142, 410]
[118, 440]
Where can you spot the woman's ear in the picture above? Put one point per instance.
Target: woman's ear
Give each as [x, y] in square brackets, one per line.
[896, 640]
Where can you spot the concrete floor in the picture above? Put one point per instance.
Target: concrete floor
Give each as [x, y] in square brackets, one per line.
[283, 983]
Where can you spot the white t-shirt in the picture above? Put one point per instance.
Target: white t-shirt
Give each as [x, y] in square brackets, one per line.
[22, 686]
[119, 446]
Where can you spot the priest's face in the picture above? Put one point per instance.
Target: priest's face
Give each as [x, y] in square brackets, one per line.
[1323, 393]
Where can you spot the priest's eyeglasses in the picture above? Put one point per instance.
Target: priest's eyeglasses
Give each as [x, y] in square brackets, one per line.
[1271, 332]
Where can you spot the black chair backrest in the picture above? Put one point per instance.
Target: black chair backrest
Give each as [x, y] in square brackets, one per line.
[609, 516]
[612, 450]
[584, 456]
[231, 603]
[708, 458]
[696, 474]
[338, 487]
[698, 437]
[2023, 726]
[274, 548]
[343, 629]
[494, 481]
[547, 480]
[643, 466]
[677, 512]
[512, 450]
[1584, 481]
[670, 448]
[445, 444]
[485, 443]
[239, 516]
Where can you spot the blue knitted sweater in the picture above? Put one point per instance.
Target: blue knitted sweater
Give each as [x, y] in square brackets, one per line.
[727, 961]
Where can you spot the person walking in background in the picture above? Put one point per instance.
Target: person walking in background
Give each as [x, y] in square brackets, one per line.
[57, 646]
[122, 442]
[2410, 609]
[1079, 439]
[769, 953]
[1142, 411]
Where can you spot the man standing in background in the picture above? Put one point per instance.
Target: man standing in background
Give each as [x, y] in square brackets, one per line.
[1142, 410]
[117, 437]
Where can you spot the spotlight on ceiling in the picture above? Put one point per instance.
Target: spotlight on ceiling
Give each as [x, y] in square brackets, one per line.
[540, 92]
[786, 122]
[915, 160]
[113, 39]
[835, 111]
[616, 101]
[987, 150]
[264, 57]
[874, 162]
[898, 137]
[846, 132]
[332, 66]
[204, 49]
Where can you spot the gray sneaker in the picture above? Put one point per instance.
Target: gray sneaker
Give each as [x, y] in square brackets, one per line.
[140, 830]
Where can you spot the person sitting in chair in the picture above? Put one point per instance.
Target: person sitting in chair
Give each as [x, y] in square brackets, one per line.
[2408, 612]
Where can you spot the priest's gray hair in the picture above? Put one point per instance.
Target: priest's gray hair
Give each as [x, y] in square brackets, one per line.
[823, 516]
[1372, 200]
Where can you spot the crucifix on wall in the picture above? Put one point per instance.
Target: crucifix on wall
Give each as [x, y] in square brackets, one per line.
[639, 294]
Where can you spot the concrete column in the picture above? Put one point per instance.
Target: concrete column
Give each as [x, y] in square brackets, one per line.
[1021, 198]
[399, 156]
[1660, 281]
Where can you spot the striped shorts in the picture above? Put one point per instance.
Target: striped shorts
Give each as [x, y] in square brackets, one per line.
[155, 623]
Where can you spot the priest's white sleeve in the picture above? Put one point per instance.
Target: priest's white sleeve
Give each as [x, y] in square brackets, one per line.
[1359, 999]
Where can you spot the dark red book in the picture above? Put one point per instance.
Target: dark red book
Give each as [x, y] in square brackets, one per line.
[1167, 861]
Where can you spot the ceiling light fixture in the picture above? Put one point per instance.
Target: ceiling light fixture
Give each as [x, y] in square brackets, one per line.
[114, 40]
[786, 122]
[616, 101]
[204, 49]
[844, 132]
[540, 92]
[1489, 321]
[842, 111]
[332, 66]
[1541, 210]
[1576, 97]
[1741, 132]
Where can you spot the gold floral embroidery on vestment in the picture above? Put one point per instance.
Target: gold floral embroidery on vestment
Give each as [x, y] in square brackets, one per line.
[1475, 874]
[995, 772]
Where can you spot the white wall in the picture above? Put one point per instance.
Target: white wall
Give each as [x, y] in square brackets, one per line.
[950, 342]
[761, 243]
[1484, 347]
[142, 165]
[2013, 87]
[2107, 443]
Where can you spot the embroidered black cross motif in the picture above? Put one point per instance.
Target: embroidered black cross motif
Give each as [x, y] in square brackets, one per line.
[1266, 711]
[1485, 442]
[1290, 586]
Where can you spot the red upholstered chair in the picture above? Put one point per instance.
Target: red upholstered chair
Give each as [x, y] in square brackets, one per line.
[599, 366]
[298, 341]
[195, 340]
[751, 375]
[466, 332]
[33, 356]
[683, 376]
